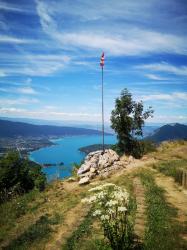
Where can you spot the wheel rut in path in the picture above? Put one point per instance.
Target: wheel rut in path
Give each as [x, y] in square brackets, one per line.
[175, 195]
[73, 219]
[140, 220]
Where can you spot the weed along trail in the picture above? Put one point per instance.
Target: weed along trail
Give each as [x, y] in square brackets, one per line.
[175, 195]
[163, 229]
[140, 220]
[73, 219]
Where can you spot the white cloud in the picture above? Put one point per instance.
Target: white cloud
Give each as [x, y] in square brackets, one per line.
[20, 90]
[33, 64]
[6, 6]
[28, 80]
[167, 119]
[2, 73]
[136, 42]
[14, 8]
[176, 96]
[156, 77]
[15, 40]
[165, 67]
[117, 40]
[50, 114]
[26, 90]
[97, 86]
[19, 101]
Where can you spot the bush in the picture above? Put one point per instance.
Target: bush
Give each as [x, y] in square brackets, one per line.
[40, 230]
[18, 176]
[136, 148]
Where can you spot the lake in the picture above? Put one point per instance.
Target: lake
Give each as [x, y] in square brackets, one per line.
[67, 151]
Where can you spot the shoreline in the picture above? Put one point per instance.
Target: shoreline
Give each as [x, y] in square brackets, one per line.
[66, 150]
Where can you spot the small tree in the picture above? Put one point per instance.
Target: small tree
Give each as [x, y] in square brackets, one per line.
[127, 120]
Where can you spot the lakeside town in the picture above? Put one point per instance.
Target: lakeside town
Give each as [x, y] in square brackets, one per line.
[23, 145]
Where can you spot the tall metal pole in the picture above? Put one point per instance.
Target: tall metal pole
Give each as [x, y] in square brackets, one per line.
[103, 113]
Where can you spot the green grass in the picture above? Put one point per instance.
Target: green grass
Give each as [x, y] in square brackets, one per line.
[83, 229]
[173, 168]
[163, 231]
[86, 236]
[12, 210]
[40, 230]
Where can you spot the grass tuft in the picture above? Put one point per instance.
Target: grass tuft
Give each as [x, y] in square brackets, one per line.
[83, 229]
[37, 231]
[163, 231]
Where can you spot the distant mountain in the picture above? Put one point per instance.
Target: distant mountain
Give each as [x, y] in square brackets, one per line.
[169, 132]
[149, 129]
[15, 129]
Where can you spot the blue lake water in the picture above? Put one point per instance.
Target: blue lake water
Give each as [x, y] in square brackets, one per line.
[67, 151]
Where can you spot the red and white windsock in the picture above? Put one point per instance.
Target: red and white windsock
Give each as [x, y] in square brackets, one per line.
[102, 61]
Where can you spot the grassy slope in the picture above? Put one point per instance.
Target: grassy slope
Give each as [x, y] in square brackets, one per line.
[56, 218]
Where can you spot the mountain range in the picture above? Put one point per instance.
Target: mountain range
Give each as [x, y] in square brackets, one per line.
[147, 129]
[169, 132]
[15, 129]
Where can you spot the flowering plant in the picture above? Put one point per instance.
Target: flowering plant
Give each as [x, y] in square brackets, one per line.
[110, 205]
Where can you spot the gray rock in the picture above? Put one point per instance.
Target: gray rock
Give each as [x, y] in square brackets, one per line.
[92, 175]
[98, 162]
[92, 170]
[84, 180]
[84, 168]
[131, 159]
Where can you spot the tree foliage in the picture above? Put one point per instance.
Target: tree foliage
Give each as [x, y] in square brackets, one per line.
[127, 120]
[19, 175]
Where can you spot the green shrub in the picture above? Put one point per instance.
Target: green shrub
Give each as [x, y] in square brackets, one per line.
[137, 148]
[37, 231]
[18, 176]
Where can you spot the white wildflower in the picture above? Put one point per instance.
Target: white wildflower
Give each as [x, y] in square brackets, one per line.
[108, 185]
[92, 199]
[122, 209]
[111, 211]
[85, 200]
[98, 188]
[101, 195]
[105, 217]
[97, 212]
[111, 203]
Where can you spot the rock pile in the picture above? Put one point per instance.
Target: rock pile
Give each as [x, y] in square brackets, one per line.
[98, 163]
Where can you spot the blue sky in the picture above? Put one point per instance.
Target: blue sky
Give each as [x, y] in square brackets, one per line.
[50, 53]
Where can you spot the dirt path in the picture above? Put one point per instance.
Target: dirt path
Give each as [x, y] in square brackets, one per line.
[140, 220]
[175, 195]
[72, 221]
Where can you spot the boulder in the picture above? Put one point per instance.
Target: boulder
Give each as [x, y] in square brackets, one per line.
[131, 159]
[119, 164]
[71, 179]
[84, 180]
[84, 168]
[92, 175]
[87, 174]
[99, 163]
[93, 170]
[114, 155]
